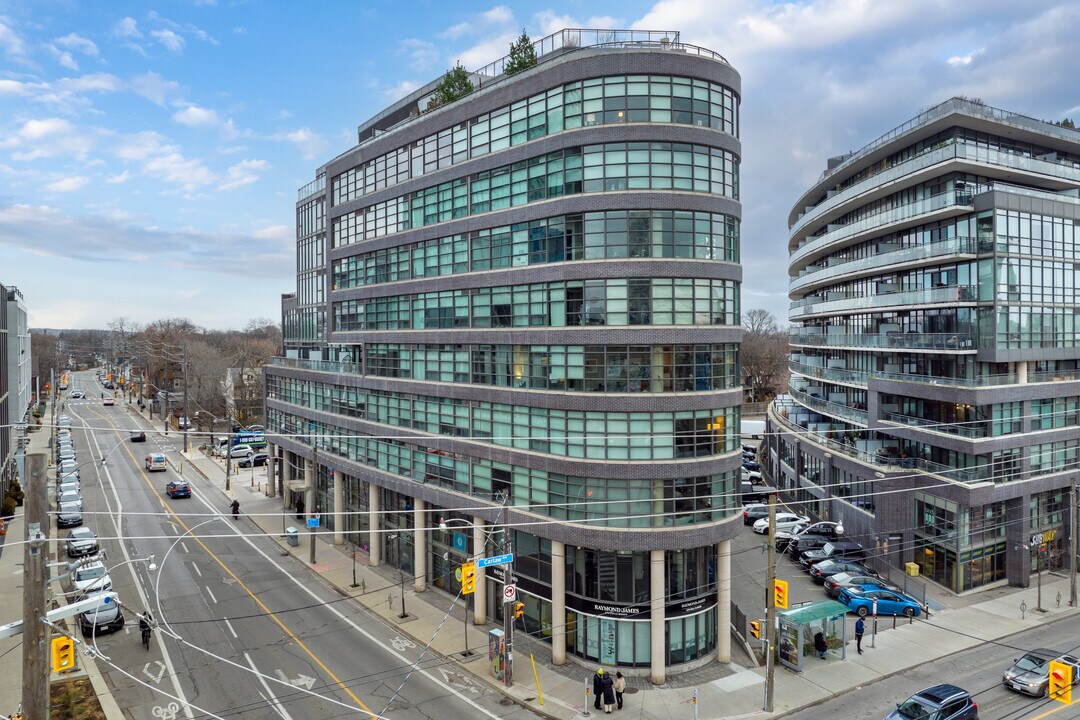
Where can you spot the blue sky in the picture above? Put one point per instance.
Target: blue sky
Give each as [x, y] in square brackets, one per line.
[150, 153]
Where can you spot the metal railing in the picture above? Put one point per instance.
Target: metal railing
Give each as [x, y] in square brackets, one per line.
[926, 296]
[844, 266]
[912, 341]
[972, 432]
[315, 186]
[333, 366]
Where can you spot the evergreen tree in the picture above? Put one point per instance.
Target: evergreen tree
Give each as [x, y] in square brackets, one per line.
[522, 55]
[454, 86]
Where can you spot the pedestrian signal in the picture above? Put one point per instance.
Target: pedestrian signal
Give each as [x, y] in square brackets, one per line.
[63, 654]
[468, 578]
[780, 594]
[1061, 682]
[519, 609]
[755, 628]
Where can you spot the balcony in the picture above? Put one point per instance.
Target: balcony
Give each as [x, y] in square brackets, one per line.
[970, 431]
[949, 294]
[332, 366]
[829, 408]
[954, 201]
[951, 248]
[952, 342]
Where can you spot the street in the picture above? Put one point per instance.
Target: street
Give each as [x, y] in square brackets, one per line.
[241, 630]
[978, 671]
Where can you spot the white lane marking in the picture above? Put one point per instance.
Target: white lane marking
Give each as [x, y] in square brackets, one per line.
[275, 704]
[211, 594]
[183, 546]
[301, 680]
[195, 567]
[160, 671]
[229, 625]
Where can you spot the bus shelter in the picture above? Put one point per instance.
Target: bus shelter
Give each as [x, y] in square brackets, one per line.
[798, 626]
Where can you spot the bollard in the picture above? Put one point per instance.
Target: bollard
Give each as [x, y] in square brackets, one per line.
[585, 710]
[180, 471]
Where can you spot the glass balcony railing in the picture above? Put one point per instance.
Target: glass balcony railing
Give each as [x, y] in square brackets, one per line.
[928, 296]
[315, 186]
[837, 267]
[319, 365]
[952, 199]
[913, 341]
[830, 408]
[970, 431]
[959, 475]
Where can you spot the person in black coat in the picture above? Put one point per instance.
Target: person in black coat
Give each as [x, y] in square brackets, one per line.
[820, 645]
[608, 686]
[598, 687]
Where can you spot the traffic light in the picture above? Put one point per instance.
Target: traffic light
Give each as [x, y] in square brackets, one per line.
[1061, 682]
[468, 578]
[779, 596]
[63, 653]
[519, 609]
[755, 628]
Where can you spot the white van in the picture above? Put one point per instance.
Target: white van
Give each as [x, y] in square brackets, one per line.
[155, 462]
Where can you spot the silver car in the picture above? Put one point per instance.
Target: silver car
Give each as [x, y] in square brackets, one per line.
[1030, 674]
[81, 541]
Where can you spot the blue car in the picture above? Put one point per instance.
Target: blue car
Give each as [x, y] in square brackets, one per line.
[178, 489]
[888, 602]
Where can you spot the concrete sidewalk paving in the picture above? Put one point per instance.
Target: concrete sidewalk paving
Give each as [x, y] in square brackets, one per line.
[723, 690]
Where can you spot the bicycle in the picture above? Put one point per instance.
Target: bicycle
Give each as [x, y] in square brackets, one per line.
[146, 631]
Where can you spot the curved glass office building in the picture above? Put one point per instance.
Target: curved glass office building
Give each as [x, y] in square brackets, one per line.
[934, 387]
[521, 309]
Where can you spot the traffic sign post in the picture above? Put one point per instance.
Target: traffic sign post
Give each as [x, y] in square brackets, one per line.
[509, 593]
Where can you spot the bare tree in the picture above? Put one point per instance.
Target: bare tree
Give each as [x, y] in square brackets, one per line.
[763, 356]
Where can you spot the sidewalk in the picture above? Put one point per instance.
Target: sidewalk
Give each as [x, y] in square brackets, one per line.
[11, 598]
[722, 690]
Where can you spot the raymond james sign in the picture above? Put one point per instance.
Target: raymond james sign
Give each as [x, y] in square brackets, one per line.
[639, 611]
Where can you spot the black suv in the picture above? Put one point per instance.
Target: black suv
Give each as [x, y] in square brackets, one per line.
[805, 543]
[941, 702]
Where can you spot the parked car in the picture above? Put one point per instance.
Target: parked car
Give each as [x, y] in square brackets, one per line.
[1030, 674]
[92, 577]
[255, 428]
[888, 602]
[108, 400]
[752, 513]
[836, 583]
[752, 477]
[68, 515]
[81, 541]
[940, 702]
[138, 436]
[107, 617]
[752, 465]
[827, 568]
[751, 494]
[256, 460]
[63, 421]
[823, 527]
[66, 452]
[804, 543]
[783, 521]
[178, 489]
[241, 451]
[183, 423]
[834, 550]
[69, 497]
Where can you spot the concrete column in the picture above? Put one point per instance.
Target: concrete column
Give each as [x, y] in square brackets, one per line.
[723, 601]
[420, 547]
[339, 507]
[375, 524]
[657, 584]
[288, 475]
[272, 451]
[480, 595]
[558, 603]
[309, 483]
[1021, 372]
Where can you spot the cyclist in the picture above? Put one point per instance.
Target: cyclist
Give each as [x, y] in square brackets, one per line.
[235, 507]
[146, 625]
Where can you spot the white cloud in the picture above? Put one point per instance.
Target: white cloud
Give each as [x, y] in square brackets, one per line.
[169, 39]
[194, 116]
[958, 60]
[456, 31]
[64, 58]
[70, 184]
[118, 179]
[487, 50]
[13, 46]
[400, 90]
[154, 87]
[127, 27]
[47, 138]
[72, 41]
[422, 55]
[243, 173]
[498, 15]
[311, 144]
[16, 87]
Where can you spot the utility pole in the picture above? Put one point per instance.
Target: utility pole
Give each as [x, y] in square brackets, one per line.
[187, 413]
[228, 459]
[311, 510]
[35, 593]
[770, 609]
[508, 608]
[1072, 543]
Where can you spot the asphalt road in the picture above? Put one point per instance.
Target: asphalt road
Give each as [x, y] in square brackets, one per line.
[244, 632]
[978, 671]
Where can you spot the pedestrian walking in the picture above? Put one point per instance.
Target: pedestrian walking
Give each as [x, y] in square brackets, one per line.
[620, 688]
[860, 628]
[235, 507]
[820, 645]
[608, 686]
[299, 508]
[598, 687]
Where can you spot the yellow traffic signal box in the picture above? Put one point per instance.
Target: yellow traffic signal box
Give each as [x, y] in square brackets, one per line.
[468, 578]
[780, 597]
[63, 654]
[755, 628]
[1061, 682]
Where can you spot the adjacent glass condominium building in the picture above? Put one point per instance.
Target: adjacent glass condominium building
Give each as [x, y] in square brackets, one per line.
[934, 388]
[522, 309]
